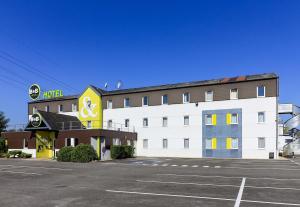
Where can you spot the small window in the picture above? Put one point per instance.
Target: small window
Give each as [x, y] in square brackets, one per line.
[165, 99]
[126, 102]
[126, 122]
[165, 144]
[208, 119]
[234, 94]
[71, 142]
[116, 141]
[234, 118]
[109, 104]
[234, 143]
[165, 122]
[261, 117]
[145, 101]
[60, 108]
[186, 98]
[109, 124]
[186, 120]
[209, 96]
[186, 143]
[208, 143]
[261, 143]
[145, 122]
[25, 143]
[34, 110]
[261, 91]
[89, 124]
[74, 107]
[128, 142]
[47, 108]
[68, 142]
[145, 143]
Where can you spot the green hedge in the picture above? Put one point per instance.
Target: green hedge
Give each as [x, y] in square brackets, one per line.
[121, 151]
[80, 153]
[16, 154]
[65, 154]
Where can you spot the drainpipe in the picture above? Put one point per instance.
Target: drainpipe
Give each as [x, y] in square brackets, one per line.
[277, 117]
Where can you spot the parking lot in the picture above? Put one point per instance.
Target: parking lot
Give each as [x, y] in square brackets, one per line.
[151, 182]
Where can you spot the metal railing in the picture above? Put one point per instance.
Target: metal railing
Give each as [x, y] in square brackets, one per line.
[15, 128]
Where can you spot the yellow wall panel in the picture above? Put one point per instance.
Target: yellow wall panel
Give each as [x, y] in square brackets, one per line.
[214, 143]
[228, 143]
[214, 119]
[228, 119]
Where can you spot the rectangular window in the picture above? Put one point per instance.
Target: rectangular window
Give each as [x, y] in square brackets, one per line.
[126, 102]
[209, 95]
[145, 122]
[109, 104]
[165, 99]
[68, 142]
[128, 142]
[235, 143]
[261, 117]
[145, 143]
[109, 124]
[186, 98]
[186, 143]
[208, 119]
[261, 143]
[25, 143]
[126, 122]
[74, 107]
[47, 108]
[234, 118]
[261, 91]
[234, 94]
[208, 143]
[186, 120]
[60, 108]
[145, 101]
[116, 141]
[89, 124]
[165, 122]
[34, 110]
[165, 143]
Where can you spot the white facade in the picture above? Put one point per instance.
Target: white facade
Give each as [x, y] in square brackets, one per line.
[175, 131]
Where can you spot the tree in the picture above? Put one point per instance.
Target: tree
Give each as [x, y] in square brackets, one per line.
[3, 121]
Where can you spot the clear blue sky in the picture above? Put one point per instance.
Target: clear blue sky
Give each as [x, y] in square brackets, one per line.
[145, 43]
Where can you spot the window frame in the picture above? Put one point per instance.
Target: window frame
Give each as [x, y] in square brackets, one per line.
[162, 99]
[126, 123]
[47, 108]
[125, 101]
[163, 121]
[237, 119]
[109, 104]
[184, 95]
[206, 96]
[109, 124]
[145, 141]
[211, 118]
[60, 108]
[234, 138]
[165, 143]
[188, 143]
[143, 101]
[257, 91]
[74, 107]
[206, 145]
[188, 120]
[89, 124]
[264, 113]
[261, 138]
[237, 94]
[147, 121]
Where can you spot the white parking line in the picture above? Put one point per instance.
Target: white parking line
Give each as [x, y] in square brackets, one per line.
[184, 165]
[227, 177]
[261, 168]
[174, 165]
[180, 183]
[16, 172]
[240, 194]
[199, 197]
[195, 166]
[47, 168]
[169, 195]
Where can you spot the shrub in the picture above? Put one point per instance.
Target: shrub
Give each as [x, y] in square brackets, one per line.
[25, 155]
[65, 154]
[2, 155]
[121, 152]
[15, 153]
[83, 153]
[3, 147]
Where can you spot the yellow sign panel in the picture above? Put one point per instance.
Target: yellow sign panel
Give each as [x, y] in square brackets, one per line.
[44, 144]
[90, 109]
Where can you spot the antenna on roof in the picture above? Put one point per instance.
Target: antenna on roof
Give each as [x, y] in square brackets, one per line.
[106, 85]
[119, 84]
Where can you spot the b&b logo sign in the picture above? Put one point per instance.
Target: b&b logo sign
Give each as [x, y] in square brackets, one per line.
[35, 120]
[34, 91]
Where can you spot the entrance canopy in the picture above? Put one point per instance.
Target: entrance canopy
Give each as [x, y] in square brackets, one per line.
[48, 121]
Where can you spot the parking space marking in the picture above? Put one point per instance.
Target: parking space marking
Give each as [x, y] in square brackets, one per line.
[270, 202]
[181, 183]
[47, 168]
[170, 195]
[17, 172]
[226, 177]
[240, 194]
[273, 188]
[261, 168]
